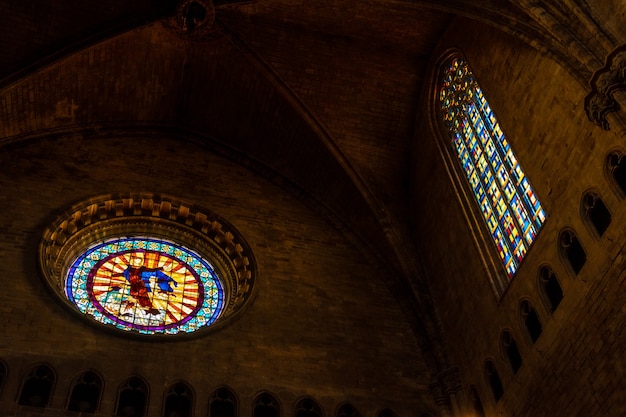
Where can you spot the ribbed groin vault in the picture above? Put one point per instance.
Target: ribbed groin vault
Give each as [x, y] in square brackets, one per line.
[270, 208]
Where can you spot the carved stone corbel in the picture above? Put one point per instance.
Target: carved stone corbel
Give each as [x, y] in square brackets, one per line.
[605, 83]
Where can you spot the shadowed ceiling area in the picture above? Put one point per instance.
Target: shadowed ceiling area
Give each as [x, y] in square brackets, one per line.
[321, 97]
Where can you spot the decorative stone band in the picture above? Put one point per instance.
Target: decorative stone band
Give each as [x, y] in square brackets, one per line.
[154, 216]
[605, 83]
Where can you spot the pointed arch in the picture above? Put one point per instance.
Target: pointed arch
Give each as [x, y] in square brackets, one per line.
[223, 403]
[510, 351]
[132, 398]
[179, 400]
[571, 250]
[549, 288]
[308, 407]
[615, 170]
[595, 213]
[4, 371]
[265, 404]
[508, 204]
[530, 320]
[493, 378]
[37, 386]
[347, 410]
[476, 403]
[387, 412]
[85, 392]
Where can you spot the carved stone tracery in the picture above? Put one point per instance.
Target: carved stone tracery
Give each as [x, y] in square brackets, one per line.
[110, 216]
[605, 83]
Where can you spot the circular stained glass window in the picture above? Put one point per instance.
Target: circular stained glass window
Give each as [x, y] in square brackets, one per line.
[144, 284]
[148, 266]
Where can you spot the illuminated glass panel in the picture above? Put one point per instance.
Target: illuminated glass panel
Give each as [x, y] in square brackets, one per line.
[506, 199]
[145, 285]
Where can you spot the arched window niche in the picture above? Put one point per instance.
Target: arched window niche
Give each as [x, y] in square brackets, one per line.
[148, 265]
[85, 394]
[476, 148]
[594, 213]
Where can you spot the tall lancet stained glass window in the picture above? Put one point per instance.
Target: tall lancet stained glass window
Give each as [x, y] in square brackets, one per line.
[506, 199]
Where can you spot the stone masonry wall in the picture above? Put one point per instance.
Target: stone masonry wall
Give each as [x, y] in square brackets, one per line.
[575, 367]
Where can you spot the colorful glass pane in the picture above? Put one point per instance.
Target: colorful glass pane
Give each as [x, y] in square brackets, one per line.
[507, 201]
[145, 285]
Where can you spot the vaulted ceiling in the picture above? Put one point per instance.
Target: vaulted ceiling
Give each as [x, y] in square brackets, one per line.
[320, 96]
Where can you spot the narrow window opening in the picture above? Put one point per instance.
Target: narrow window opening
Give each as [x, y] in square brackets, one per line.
[85, 395]
[477, 404]
[595, 212]
[37, 387]
[551, 288]
[512, 212]
[306, 407]
[3, 374]
[512, 352]
[531, 321]
[347, 410]
[494, 381]
[616, 164]
[266, 406]
[178, 401]
[572, 251]
[223, 404]
[132, 399]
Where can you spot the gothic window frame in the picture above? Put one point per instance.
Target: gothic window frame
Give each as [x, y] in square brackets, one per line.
[122, 387]
[4, 375]
[28, 376]
[475, 402]
[528, 311]
[509, 346]
[484, 228]
[564, 242]
[343, 407]
[544, 274]
[298, 404]
[214, 397]
[494, 380]
[170, 392]
[77, 380]
[274, 403]
[591, 201]
[613, 159]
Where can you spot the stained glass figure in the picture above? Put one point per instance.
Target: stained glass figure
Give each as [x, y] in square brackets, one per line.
[145, 285]
[506, 199]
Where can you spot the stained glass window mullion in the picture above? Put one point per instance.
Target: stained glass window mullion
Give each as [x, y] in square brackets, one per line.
[529, 217]
[510, 208]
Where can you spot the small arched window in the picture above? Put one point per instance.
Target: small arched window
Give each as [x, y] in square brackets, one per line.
[178, 401]
[572, 251]
[594, 213]
[531, 320]
[347, 410]
[3, 374]
[223, 403]
[266, 405]
[37, 387]
[85, 395]
[616, 169]
[550, 288]
[494, 380]
[386, 412]
[476, 403]
[307, 407]
[511, 351]
[505, 197]
[132, 400]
